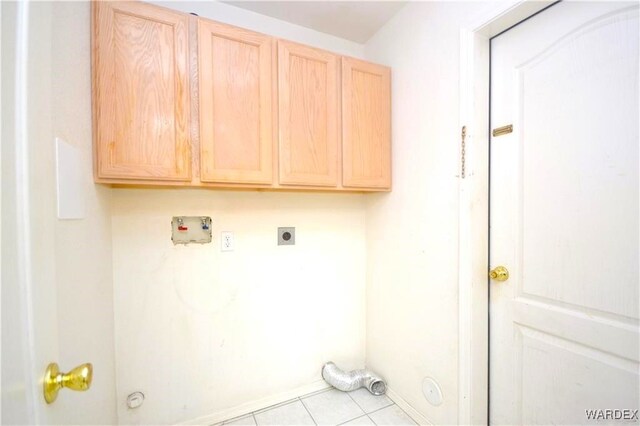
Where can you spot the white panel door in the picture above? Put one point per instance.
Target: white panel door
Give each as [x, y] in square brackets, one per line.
[29, 301]
[564, 216]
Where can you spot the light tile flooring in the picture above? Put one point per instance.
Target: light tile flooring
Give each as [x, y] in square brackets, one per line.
[330, 407]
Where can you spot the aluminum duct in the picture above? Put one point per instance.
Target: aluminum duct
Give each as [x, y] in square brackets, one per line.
[352, 380]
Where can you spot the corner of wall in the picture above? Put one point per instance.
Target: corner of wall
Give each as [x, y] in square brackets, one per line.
[412, 232]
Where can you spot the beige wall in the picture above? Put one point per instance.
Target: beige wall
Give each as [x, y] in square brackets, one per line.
[199, 331]
[412, 232]
[82, 247]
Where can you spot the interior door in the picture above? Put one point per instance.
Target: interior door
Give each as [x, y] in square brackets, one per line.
[564, 216]
[30, 334]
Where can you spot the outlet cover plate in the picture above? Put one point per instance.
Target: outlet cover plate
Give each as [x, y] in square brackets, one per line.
[227, 241]
[287, 236]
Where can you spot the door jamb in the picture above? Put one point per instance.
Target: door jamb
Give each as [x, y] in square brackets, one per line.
[473, 291]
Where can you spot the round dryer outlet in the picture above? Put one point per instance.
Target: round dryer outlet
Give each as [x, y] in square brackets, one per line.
[431, 391]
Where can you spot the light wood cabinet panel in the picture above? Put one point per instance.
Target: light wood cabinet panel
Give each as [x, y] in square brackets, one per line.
[141, 92]
[235, 102]
[308, 115]
[366, 124]
[184, 101]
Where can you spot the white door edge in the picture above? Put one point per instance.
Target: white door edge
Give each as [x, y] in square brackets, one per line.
[21, 210]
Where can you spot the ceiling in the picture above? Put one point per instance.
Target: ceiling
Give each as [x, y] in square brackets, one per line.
[352, 20]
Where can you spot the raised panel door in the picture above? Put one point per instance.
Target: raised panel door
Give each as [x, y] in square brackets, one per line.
[366, 124]
[564, 340]
[235, 98]
[308, 114]
[141, 92]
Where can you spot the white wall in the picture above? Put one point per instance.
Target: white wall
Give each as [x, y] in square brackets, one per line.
[412, 232]
[82, 247]
[254, 21]
[201, 332]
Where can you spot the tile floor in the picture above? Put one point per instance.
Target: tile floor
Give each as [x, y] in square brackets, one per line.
[329, 407]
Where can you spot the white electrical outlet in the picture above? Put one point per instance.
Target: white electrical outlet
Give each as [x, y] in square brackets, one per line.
[227, 242]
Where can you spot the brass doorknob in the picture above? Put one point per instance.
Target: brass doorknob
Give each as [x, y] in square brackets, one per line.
[78, 379]
[499, 273]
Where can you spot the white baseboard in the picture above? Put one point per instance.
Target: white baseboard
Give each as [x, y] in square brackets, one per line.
[259, 404]
[412, 412]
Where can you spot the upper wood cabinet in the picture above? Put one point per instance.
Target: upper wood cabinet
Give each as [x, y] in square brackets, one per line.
[366, 124]
[308, 115]
[235, 96]
[182, 100]
[141, 92]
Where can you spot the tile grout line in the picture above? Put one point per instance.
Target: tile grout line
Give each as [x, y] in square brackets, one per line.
[400, 408]
[379, 409]
[350, 420]
[357, 405]
[271, 407]
[356, 417]
[363, 410]
[317, 393]
[309, 412]
[367, 414]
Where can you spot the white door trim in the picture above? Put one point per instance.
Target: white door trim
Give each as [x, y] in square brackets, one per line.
[21, 210]
[473, 293]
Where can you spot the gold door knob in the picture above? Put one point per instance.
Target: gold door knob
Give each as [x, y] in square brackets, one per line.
[78, 379]
[499, 273]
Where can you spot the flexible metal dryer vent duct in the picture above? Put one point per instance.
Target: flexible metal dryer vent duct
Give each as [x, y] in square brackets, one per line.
[351, 380]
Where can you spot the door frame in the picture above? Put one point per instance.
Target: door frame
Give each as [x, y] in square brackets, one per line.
[473, 290]
[27, 393]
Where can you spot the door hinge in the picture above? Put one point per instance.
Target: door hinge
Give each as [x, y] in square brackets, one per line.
[504, 130]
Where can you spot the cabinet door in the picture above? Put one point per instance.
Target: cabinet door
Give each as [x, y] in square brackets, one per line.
[308, 115]
[366, 124]
[235, 95]
[141, 92]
